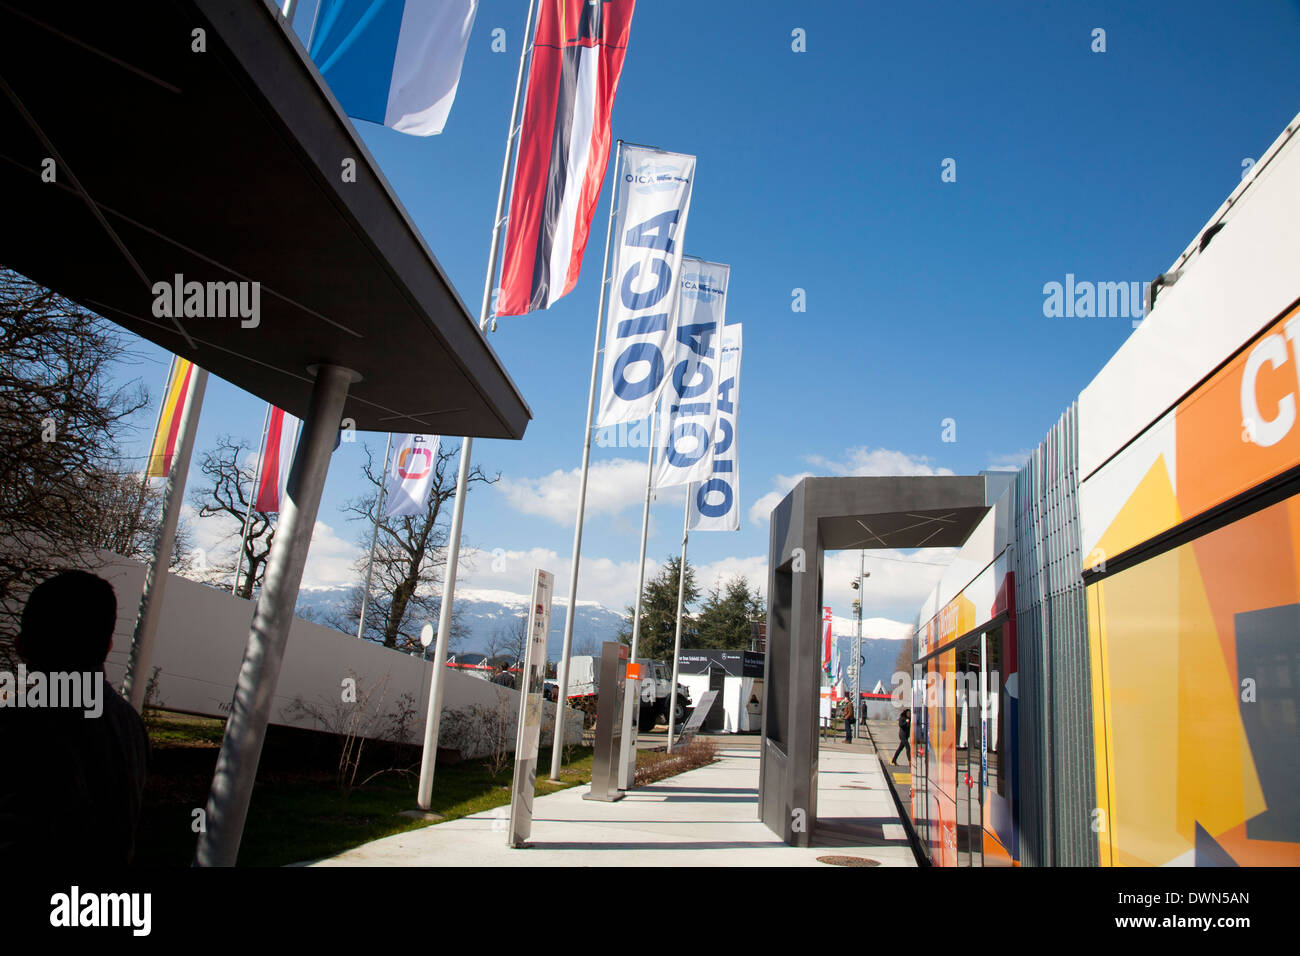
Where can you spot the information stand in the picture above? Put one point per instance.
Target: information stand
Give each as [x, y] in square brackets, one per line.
[532, 683]
[609, 730]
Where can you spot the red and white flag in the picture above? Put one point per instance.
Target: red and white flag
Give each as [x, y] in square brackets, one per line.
[277, 457]
[563, 148]
[826, 640]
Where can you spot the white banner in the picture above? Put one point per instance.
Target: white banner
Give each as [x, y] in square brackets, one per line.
[654, 199]
[688, 410]
[410, 475]
[715, 503]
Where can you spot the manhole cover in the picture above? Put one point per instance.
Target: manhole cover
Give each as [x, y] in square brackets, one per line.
[847, 861]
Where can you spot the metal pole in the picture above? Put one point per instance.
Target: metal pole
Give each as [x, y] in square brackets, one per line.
[857, 642]
[677, 640]
[250, 710]
[433, 716]
[562, 674]
[370, 565]
[155, 578]
[627, 741]
[645, 528]
[248, 512]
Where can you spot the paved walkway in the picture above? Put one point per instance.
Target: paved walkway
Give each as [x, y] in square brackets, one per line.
[884, 735]
[704, 817]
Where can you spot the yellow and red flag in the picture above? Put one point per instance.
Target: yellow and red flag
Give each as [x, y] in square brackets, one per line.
[168, 434]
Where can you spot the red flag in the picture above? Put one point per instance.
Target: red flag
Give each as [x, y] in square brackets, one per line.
[826, 640]
[563, 148]
[277, 457]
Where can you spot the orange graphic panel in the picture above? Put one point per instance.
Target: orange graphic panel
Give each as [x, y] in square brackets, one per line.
[1243, 425]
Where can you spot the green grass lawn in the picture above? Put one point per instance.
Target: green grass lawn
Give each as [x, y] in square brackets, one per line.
[298, 811]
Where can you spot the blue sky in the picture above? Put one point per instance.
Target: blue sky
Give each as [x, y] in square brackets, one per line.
[821, 171]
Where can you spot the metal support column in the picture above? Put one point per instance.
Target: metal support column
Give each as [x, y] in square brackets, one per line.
[241, 748]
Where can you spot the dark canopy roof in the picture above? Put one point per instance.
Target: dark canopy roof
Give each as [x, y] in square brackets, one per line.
[228, 165]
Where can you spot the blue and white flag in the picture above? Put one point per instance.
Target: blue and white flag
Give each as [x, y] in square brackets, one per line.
[715, 502]
[410, 475]
[688, 410]
[394, 62]
[654, 201]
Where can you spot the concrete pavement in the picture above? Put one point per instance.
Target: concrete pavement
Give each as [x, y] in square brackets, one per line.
[704, 817]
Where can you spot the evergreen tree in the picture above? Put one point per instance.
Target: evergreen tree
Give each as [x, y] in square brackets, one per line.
[724, 621]
[659, 613]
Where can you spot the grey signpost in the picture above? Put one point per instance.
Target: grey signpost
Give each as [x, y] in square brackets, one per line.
[609, 730]
[631, 722]
[528, 735]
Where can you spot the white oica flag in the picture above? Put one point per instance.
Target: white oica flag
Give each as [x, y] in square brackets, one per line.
[688, 409]
[715, 502]
[654, 199]
[410, 475]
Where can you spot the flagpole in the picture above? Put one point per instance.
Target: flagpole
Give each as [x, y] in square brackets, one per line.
[155, 577]
[677, 640]
[374, 538]
[561, 697]
[433, 716]
[248, 512]
[645, 528]
[627, 746]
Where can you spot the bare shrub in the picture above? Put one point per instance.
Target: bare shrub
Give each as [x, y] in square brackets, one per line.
[698, 753]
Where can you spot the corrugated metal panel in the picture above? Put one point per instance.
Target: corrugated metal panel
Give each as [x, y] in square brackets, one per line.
[1056, 788]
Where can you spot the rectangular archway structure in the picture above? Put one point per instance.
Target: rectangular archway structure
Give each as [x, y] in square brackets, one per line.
[832, 514]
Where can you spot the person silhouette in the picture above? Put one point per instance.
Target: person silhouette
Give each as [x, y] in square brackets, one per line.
[904, 736]
[74, 768]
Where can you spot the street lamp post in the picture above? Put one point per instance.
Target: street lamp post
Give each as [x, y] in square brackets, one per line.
[856, 671]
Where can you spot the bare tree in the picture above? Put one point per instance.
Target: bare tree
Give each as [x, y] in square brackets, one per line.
[61, 420]
[122, 514]
[587, 646]
[410, 555]
[507, 642]
[226, 493]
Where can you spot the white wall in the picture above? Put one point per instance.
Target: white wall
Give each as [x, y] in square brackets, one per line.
[200, 645]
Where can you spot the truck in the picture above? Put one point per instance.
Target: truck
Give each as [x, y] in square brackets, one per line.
[584, 690]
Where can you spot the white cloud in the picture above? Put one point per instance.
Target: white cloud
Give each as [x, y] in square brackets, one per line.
[610, 583]
[856, 462]
[613, 486]
[760, 512]
[898, 585]
[877, 627]
[330, 559]
[717, 573]
[1009, 462]
[877, 461]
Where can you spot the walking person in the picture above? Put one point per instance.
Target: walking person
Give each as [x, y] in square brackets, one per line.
[849, 719]
[904, 736]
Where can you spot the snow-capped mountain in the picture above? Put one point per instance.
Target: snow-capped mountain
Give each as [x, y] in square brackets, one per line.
[484, 612]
